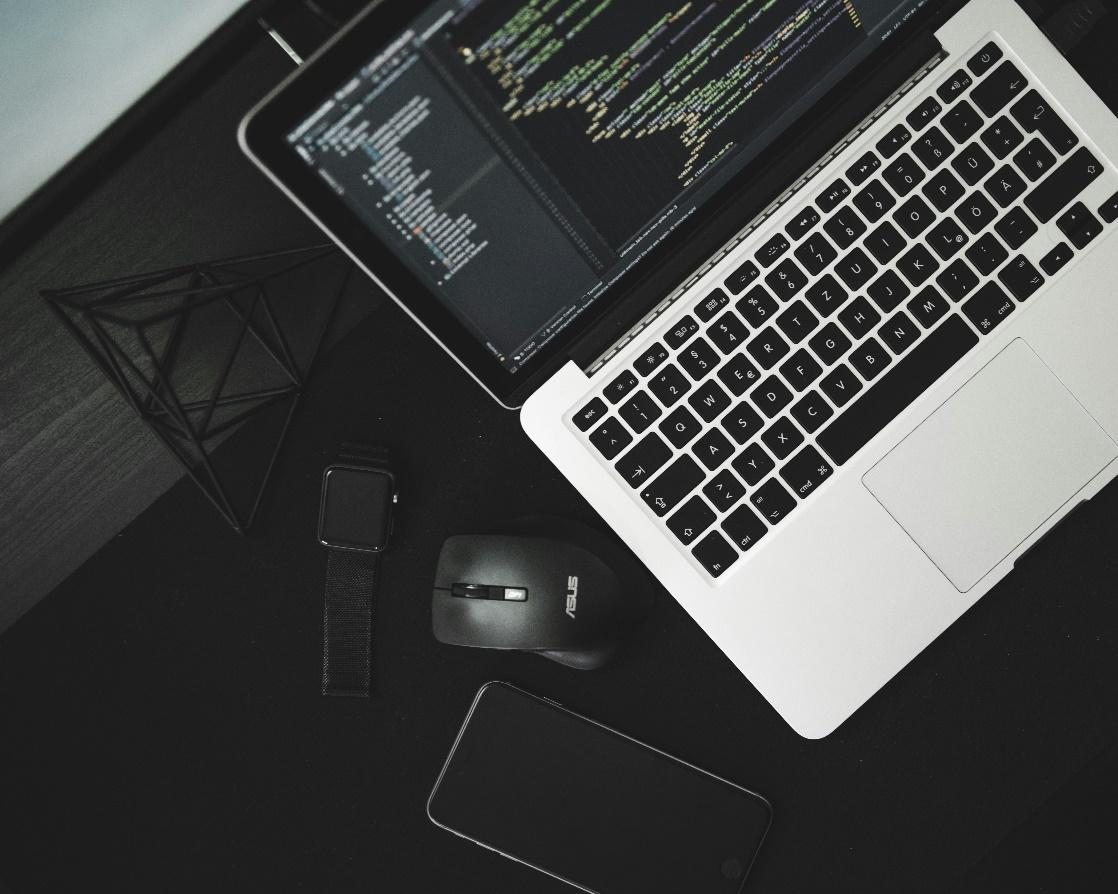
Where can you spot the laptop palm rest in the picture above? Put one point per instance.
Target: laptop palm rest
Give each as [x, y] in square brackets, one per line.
[987, 468]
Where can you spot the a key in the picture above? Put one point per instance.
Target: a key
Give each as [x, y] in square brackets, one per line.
[712, 304]
[1005, 186]
[859, 317]
[917, 264]
[1056, 258]
[1001, 137]
[772, 501]
[874, 200]
[742, 277]
[712, 449]
[800, 225]
[957, 280]
[829, 343]
[954, 87]
[998, 88]
[692, 518]
[639, 411]
[728, 332]
[914, 216]
[644, 460]
[844, 226]
[943, 190]
[738, 374]
[589, 414]
[887, 291]
[811, 411]
[680, 427]
[669, 385]
[800, 370]
[961, 122]
[975, 212]
[815, 253]
[928, 307]
[673, 484]
[932, 148]
[771, 396]
[890, 144]
[870, 359]
[903, 175]
[753, 464]
[987, 254]
[840, 385]
[771, 251]
[1020, 277]
[946, 238]
[744, 527]
[973, 163]
[698, 358]
[826, 296]
[804, 472]
[1016, 227]
[620, 386]
[651, 358]
[1108, 210]
[863, 168]
[767, 348]
[899, 387]
[709, 400]
[681, 331]
[1035, 159]
[885, 242]
[855, 269]
[1079, 225]
[797, 321]
[1060, 187]
[743, 423]
[981, 61]
[898, 332]
[757, 305]
[1035, 115]
[786, 279]
[832, 196]
[714, 554]
[924, 113]
[988, 307]
[724, 490]
[611, 437]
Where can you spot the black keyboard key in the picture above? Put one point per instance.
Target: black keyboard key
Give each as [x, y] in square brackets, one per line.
[988, 307]
[917, 264]
[1020, 277]
[890, 144]
[768, 348]
[1079, 225]
[855, 269]
[738, 374]
[713, 449]
[691, 520]
[782, 437]
[924, 113]
[903, 175]
[943, 190]
[1035, 115]
[680, 426]
[797, 321]
[757, 305]
[1061, 187]
[1002, 137]
[961, 122]
[800, 225]
[914, 216]
[753, 464]
[859, 317]
[744, 527]
[953, 88]
[742, 277]
[589, 414]
[640, 411]
[975, 212]
[885, 242]
[698, 358]
[724, 490]
[830, 343]
[833, 196]
[929, 306]
[973, 163]
[912, 375]
[709, 400]
[714, 554]
[898, 332]
[932, 148]
[874, 200]
[840, 385]
[805, 472]
[811, 411]
[771, 396]
[772, 501]
[981, 61]
[771, 251]
[786, 279]
[651, 358]
[958, 280]
[1035, 159]
[887, 291]
[946, 238]
[644, 460]
[870, 359]
[863, 168]
[620, 386]
[987, 254]
[1056, 258]
[743, 423]
[712, 304]
[1016, 228]
[728, 332]
[844, 226]
[681, 331]
[800, 370]
[673, 484]
[816, 253]
[1108, 210]
[826, 296]
[611, 437]
[998, 88]
[669, 385]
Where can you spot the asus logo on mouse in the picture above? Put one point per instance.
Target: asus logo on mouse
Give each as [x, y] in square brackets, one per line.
[572, 595]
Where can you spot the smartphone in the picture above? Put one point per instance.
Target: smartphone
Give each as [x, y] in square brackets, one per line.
[590, 806]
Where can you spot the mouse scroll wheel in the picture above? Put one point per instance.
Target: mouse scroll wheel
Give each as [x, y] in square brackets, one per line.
[485, 591]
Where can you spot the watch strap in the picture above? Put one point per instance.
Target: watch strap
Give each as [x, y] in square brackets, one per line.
[347, 622]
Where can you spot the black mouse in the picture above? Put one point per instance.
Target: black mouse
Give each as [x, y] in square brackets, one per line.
[551, 586]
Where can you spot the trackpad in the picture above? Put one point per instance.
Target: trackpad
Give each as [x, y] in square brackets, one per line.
[986, 469]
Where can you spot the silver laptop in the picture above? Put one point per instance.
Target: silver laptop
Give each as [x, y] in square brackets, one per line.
[813, 301]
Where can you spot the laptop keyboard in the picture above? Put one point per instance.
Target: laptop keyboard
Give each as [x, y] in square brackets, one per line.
[873, 290]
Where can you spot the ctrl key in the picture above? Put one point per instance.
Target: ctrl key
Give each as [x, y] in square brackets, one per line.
[744, 527]
[715, 554]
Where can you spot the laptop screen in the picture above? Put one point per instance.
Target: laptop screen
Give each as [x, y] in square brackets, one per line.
[521, 156]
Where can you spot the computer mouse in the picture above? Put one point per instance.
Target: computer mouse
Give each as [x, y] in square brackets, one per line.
[550, 586]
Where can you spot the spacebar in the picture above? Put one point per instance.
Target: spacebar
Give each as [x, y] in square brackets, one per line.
[905, 382]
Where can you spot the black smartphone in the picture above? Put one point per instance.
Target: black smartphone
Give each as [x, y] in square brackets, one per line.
[590, 806]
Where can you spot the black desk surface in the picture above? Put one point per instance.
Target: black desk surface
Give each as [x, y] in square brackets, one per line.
[161, 727]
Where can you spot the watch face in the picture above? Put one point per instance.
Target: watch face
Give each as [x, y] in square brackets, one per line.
[356, 508]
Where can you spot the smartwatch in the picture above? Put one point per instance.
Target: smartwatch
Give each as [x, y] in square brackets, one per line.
[354, 524]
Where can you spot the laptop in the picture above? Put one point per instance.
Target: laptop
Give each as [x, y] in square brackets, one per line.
[812, 301]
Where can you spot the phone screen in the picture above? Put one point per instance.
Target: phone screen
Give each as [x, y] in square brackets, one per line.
[591, 806]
